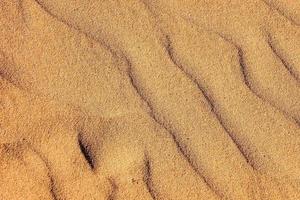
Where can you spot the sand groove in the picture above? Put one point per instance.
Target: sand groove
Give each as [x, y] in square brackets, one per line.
[148, 181]
[290, 10]
[181, 147]
[293, 72]
[209, 100]
[86, 153]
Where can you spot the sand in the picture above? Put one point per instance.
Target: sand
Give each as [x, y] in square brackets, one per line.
[140, 99]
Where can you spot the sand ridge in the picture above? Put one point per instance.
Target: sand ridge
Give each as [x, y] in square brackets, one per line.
[149, 99]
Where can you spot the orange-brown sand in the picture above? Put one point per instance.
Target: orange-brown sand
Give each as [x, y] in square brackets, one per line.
[149, 100]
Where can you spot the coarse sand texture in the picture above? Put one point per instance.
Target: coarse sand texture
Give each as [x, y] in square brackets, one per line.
[149, 100]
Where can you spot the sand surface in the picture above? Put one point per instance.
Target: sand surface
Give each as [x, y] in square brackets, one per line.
[149, 99]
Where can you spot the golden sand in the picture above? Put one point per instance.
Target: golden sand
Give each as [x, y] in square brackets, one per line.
[149, 99]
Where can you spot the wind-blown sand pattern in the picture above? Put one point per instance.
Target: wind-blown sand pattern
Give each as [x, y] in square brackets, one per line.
[158, 100]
